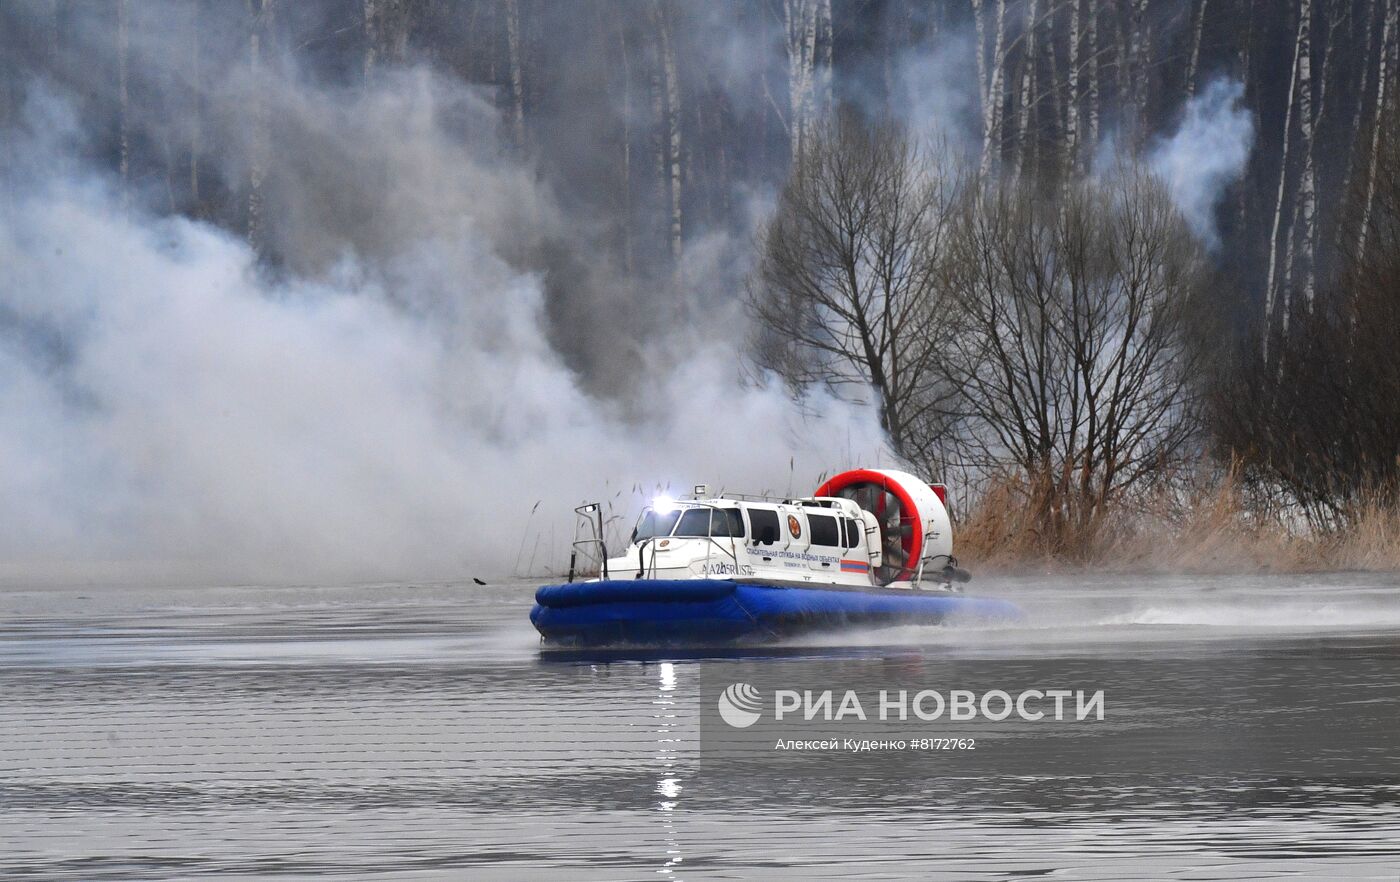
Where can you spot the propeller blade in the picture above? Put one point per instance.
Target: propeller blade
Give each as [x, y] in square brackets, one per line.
[895, 528]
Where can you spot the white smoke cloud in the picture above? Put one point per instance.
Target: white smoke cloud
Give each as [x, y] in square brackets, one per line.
[1207, 154]
[936, 93]
[169, 409]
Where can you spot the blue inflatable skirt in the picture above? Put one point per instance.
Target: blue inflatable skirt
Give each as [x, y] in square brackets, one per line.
[710, 611]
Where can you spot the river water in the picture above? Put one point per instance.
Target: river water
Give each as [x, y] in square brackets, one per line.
[417, 731]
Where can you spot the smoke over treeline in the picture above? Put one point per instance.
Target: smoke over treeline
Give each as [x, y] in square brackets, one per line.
[346, 286]
[656, 125]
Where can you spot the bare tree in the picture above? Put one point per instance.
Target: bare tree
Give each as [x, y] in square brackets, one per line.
[1069, 345]
[848, 281]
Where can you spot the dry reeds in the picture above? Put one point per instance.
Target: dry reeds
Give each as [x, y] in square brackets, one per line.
[1213, 526]
[1371, 541]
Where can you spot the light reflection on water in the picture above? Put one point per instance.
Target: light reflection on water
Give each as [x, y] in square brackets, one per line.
[667, 743]
[417, 732]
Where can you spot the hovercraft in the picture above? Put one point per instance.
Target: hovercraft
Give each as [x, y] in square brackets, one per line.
[871, 548]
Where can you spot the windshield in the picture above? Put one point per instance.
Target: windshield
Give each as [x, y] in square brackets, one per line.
[654, 524]
[693, 523]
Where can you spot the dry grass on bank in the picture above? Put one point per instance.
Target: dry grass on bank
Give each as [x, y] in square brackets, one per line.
[1211, 531]
[1373, 544]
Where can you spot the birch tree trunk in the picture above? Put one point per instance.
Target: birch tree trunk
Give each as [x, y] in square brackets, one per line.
[1091, 142]
[1243, 59]
[1338, 16]
[1307, 184]
[258, 32]
[657, 93]
[979, 16]
[386, 32]
[197, 109]
[1359, 106]
[1197, 26]
[1385, 69]
[1270, 293]
[1246, 44]
[805, 96]
[825, 39]
[124, 101]
[800, 18]
[808, 41]
[626, 58]
[372, 12]
[1071, 153]
[1053, 129]
[492, 55]
[671, 122]
[397, 36]
[1335, 18]
[517, 75]
[991, 108]
[1027, 97]
[793, 19]
[1140, 50]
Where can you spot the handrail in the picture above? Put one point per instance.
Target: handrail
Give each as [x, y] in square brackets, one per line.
[583, 512]
[602, 556]
[641, 557]
[760, 497]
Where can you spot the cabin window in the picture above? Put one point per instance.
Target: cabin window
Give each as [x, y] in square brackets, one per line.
[694, 522]
[727, 522]
[654, 524]
[765, 525]
[823, 529]
[852, 533]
